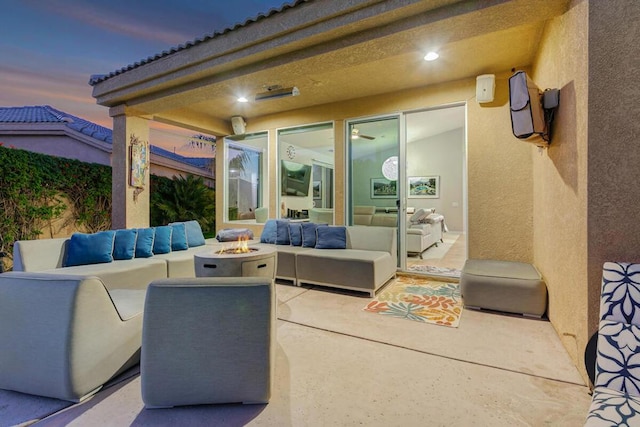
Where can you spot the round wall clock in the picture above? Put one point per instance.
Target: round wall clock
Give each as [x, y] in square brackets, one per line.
[291, 151]
[390, 168]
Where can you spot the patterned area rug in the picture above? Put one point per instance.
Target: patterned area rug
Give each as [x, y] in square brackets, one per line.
[421, 300]
[440, 271]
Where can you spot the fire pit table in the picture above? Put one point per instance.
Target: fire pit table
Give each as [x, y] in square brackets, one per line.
[230, 262]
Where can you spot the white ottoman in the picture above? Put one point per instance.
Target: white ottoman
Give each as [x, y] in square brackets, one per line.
[513, 287]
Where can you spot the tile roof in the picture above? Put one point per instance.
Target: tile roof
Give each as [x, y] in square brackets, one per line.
[97, 78]
[48, 114]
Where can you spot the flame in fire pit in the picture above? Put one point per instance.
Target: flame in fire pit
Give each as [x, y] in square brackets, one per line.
[242, 247]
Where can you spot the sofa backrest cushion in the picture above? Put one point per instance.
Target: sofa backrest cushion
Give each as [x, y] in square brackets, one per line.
[144, 242]
[162, 240]
[362, 215]
[124, 245]
[331, 237]
[93, 248]
[419, 215]
[282, 232]
[195, 237]
[295, 233]
[373, 239]
[309, 234]
[179, 237]
[269, 232]
[385, 220]
[38, 255]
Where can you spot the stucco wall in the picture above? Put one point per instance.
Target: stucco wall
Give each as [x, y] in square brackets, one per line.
[59, 146]
[560, 179]
[500, 182]
[614, 150]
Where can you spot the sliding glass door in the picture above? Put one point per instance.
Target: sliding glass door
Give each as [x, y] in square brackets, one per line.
[409, 171]
[374, 177]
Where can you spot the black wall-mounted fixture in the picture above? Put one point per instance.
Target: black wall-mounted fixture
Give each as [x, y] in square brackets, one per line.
[532, 112]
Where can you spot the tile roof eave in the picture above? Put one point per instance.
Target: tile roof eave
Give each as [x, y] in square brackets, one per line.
[98, 78]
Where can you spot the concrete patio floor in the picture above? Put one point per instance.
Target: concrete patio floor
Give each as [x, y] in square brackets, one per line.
[341, 366]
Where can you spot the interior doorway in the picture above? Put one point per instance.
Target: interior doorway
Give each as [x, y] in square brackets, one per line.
[435, 155]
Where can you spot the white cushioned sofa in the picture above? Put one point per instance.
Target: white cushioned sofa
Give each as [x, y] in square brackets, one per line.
[424, 226]
[362, 258]
[68, 325]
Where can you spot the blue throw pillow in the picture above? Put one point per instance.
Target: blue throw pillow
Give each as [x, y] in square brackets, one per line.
[124, 246]
[194, 234]
[93, 248]
[295, 233]
[162, 240]
[144, 242]
[309, 234]
[331, 237]
[282, 232]
[179, 237]
[269, 232]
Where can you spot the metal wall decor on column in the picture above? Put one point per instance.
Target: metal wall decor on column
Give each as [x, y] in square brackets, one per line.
[139, 160]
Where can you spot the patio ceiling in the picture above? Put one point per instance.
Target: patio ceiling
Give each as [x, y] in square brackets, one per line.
[331, 51]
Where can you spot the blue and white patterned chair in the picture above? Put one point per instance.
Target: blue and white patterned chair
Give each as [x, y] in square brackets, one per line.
[616, 396]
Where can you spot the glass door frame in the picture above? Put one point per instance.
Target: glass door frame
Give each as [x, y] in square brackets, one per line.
[400, 183]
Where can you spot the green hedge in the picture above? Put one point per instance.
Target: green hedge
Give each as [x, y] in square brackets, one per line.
[33, 188]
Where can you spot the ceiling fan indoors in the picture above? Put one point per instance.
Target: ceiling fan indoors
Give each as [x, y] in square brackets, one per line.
[355, 134]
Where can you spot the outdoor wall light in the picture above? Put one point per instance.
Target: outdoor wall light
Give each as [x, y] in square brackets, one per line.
[242, 99]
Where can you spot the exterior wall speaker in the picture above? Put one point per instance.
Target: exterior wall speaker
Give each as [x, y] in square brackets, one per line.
[485, 87]
[238, 124]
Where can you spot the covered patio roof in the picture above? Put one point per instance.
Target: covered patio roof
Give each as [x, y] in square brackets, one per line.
[331, 51]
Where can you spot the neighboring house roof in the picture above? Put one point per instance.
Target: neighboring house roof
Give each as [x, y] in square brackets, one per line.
[48, 114]
[97, 78]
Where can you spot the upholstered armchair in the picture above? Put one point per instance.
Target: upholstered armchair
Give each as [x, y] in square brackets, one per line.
[616, 396]
[208, 340]
[64, 336]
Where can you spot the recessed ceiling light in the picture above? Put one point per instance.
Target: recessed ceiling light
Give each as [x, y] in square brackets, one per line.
[431, 56]
[242, 99]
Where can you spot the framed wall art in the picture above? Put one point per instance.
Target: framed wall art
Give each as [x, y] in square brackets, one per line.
[382, 188]
[426, 187]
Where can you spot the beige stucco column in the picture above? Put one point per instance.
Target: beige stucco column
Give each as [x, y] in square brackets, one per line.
[130, 203]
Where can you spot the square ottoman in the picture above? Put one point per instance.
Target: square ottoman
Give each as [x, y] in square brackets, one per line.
[513, 287]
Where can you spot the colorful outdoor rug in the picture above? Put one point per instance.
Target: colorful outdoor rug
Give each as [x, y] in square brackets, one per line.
[421, 300]
[440, 271]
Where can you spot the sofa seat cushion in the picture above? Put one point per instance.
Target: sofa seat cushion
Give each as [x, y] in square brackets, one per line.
[181, 263]
[420, 229]
[128, 302]
[126, 274]
[356, 269]
[286, 259]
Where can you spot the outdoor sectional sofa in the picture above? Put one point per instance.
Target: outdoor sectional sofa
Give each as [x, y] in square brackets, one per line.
[67, 330]
[360, 259]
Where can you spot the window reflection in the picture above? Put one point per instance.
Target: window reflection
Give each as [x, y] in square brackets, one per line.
[246, 178]
[305, 162]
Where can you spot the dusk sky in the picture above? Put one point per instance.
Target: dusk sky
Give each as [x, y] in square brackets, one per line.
[50, 48]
